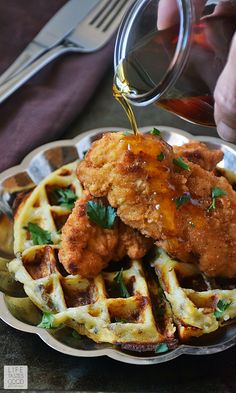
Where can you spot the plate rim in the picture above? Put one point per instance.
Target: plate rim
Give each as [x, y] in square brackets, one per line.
[8, 318]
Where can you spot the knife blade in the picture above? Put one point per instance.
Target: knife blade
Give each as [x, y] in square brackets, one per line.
[58, 27]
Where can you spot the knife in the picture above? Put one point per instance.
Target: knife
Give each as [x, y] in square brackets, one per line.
[58, 27]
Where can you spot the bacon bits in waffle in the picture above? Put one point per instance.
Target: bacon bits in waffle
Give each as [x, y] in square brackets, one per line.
[95, 307]
[196, 308]
[42, 207]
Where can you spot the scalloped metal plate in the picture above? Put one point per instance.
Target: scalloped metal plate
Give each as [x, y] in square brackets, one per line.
[38, 164]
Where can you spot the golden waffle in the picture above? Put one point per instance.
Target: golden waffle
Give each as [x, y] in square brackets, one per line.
[39, 207]
[95, 307]
[195, 311]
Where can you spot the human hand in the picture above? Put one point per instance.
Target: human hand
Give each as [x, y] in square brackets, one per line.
[225, 98]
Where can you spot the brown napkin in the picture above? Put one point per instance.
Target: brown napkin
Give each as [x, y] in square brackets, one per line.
[42, 109]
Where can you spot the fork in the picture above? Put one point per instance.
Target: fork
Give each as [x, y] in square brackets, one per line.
[90, 35]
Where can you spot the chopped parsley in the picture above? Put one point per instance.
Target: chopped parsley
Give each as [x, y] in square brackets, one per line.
[161, 156]
[38, 235]
[104, 216]
[216, 192]
[181, 163]
[120, 281]
[161, 348]
[76, 335]
[221, 307]
[65, 197]
[47, 321]
[155, 131]
[182, 200]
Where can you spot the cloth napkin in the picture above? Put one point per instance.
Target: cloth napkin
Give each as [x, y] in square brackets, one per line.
[43, 108]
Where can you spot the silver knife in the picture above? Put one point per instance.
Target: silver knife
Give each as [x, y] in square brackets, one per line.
[58, 27]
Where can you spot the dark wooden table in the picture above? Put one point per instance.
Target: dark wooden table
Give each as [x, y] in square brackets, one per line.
[53, 371]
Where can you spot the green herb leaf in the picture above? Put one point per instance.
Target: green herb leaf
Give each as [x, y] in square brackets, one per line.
[104, 216]
[47, 321]
[216, 192]
[221, 307]
[65, 197]
[120, 281]
[161, 348]
[38, 235]
[181, 163]
[182, 200]
[155, 131]
[161, 156]
[76, 335]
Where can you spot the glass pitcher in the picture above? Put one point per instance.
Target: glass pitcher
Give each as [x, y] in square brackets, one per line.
[171, 53]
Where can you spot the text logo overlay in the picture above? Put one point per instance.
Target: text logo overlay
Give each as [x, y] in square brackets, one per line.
[15, 377]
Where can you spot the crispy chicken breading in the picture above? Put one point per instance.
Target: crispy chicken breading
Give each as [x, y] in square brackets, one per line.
[87, 248]
[165, 197]
[198, 153]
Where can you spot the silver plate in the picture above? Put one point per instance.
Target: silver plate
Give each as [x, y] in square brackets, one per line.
[18, 311]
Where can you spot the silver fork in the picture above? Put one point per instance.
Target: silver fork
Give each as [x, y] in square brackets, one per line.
[90, 35]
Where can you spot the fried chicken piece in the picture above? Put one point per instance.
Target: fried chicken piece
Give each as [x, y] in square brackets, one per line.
[198, 153]
[165, 198]
[87, 248]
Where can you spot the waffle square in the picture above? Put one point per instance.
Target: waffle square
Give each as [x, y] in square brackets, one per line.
[94, 307]
[40, 207]
[194, 305]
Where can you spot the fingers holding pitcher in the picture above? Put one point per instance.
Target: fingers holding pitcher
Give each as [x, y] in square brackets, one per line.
[225, 98]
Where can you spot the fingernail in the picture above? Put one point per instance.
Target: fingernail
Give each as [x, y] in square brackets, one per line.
[226, 132]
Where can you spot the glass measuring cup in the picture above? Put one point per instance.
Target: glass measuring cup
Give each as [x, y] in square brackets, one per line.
[171, 53]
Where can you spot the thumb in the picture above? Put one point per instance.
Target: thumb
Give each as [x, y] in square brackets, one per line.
[225, 98]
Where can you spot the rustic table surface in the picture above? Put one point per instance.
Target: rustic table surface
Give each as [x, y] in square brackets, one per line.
[52, 371]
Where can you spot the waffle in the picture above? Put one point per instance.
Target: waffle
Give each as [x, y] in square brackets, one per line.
[176, 296]
[94, 307]
[194, 305]
[40, 207]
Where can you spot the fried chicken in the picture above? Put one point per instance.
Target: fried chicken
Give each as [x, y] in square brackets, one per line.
[198, 153]
[87, 248]
[167, 198]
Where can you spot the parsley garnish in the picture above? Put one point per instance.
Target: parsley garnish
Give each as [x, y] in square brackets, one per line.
[120, 281]
[216, 192]
[181, 163]
[76, 335]
[155, 131]
[104, 216]
[161, 348]
[65, 197]
[221, 307]
[38, 235]
[182, 200]
[47, 321]
[161, 156]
